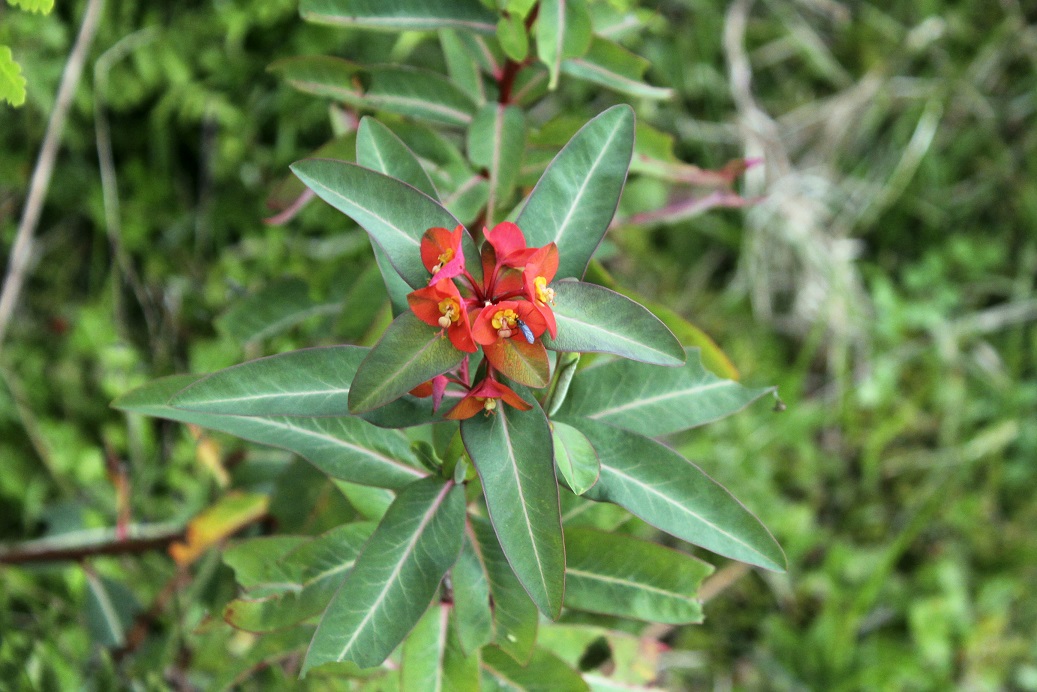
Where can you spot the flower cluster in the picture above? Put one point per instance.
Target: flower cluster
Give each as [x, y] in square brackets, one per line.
[504, 314]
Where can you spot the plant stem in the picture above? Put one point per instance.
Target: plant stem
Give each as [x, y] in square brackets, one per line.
[21, 251]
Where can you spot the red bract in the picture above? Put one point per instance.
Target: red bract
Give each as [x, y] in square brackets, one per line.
[435, 388]
[441, 305]
[540, 269]
[441, 253]
[509, 243]
[484, 397]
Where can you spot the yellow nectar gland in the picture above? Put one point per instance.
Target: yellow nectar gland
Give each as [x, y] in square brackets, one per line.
[447, 255]
[504, 321]
[489, 405]
[451, 312]
[544, 295]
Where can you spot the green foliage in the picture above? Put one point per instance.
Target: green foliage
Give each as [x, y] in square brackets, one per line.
[898, 480]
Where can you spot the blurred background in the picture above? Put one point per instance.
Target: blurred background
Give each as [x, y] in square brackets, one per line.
[885, 280]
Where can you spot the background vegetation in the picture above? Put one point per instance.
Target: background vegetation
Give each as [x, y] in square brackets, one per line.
[886, 283]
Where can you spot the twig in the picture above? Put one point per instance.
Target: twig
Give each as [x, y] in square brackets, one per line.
[21, 251]
[142, 539]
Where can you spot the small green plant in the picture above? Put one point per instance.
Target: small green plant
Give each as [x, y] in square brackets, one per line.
[497, 460]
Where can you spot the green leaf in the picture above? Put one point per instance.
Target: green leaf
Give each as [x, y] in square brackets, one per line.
[409, 91]
[12, 83]
[513, 37]
[575, 458]
[472, 615]
[348, 448]
[620, 575]
[379, 149]
[368, 501]
[511, 451]
[461, 66]
[614, 67]
[308, 382]
[299, 582]
[38, 6]
[394, 578]
[655, 483]
[574, 201]
[545, 672]
[633, 661]
[563, 31]
[496, 140]
[395, 214]
[401, 15]
[653, 401]
[273, 309]
[409, 353]
[515, 618]
[688, 334]
[421, 668]
[593, 318]
[110, 608]
[460, 668]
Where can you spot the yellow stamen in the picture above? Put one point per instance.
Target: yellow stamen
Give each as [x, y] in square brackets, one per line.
[544, 295]
[489, 405]
[451, 312]
[504, 319]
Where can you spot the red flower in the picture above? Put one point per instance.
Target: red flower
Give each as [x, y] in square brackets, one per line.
[540, 268]
[501, 321]
[484, 397]
[441, 253]
[441, 305]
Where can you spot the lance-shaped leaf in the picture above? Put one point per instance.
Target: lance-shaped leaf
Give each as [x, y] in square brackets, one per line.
[655, 401]
[308, 382]
[592, 318]
[575, 199]
[496, 139]
[394, 213]
[563, 31]
[394, 578]
[575, 458]
[348, 448]
[655, 483]
[273, 309]
[460, 668]
[473, 618]
[515, 617]
[301, 581]
[409, 353]
[545, 671]
[378, 148]
[461, 66]
[110, 609]
[625, 576]
[397, 89]
[401, 15]
[614, 67]
[424, 651]
[513, 454]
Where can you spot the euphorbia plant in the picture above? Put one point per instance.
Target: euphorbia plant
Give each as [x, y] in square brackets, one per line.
[502, 453]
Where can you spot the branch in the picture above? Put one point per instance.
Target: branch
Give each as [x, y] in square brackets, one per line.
[81, 544]
[21, 251]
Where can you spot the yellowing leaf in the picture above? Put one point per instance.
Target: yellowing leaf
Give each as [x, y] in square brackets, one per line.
[233, 511]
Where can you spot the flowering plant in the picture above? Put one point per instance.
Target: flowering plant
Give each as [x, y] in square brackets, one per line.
[488, 467]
